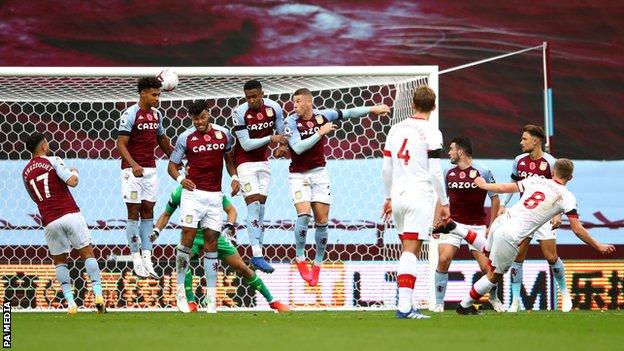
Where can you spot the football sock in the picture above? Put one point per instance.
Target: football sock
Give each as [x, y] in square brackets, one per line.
[145, 230]
[93, 270]
[516, 279]
[482, 286]
[301, 230]
[406, 278]
[257, 283]
[320, 236]
[62, 274]
[182, 264]
[559, 274]
[441, 280]
[253, 228]
[132, 234]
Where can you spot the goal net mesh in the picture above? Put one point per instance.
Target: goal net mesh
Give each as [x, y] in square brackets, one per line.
[80, 116]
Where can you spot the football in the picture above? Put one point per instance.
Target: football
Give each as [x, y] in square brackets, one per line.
[169, 79]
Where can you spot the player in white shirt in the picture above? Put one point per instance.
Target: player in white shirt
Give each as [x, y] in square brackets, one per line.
[411, 170]
[542, 200]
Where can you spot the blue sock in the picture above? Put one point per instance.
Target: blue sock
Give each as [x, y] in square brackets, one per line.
[132, 234]
[253, 227]
[320, 236]
[93, 270]
[210, 269]
[261, 220]
[301, 230]
[145, 230]
[62, 274]
[441, 280]
[183, 258]
[516, 279]
[559, 275]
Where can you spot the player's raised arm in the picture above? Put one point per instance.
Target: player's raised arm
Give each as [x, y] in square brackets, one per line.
[497, 187]
[359, 112]
[300, 146]
[583, 234]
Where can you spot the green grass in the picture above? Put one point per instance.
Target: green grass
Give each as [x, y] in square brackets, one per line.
[319, 331]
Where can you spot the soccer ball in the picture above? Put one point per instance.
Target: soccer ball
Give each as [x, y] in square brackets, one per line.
[169, 79]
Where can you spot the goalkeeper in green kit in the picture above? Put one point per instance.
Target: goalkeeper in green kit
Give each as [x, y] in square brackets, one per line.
[227, 254]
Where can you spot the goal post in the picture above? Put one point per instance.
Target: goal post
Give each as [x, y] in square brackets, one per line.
[78, 108]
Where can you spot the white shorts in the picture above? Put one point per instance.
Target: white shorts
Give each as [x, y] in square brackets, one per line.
[66, 232]
[413, 212]
[137, 189]
[201, 207]
[545, 232]
[456, 241]
[502, 244]
[254, 177]
[310, 186]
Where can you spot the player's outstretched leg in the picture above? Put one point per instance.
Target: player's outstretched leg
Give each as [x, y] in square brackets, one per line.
[62, 274]
[480, 288]
[320, 237]
[301, 231]
[254, 230]
[471, 237]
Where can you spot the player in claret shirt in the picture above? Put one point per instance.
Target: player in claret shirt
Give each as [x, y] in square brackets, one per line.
[255, 122]
[205, 146]
[46, 179]
[140, 129]
[309, 180]
[467, 207]
[534, 162]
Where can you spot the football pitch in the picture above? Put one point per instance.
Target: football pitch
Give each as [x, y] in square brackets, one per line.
[578, 330]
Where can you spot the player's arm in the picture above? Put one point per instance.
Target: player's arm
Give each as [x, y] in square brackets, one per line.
[386, 174]
[162, 139]
[125, 127]
[494, 198]
[359, 112]
[68, 175]
[498, 187]
[583, 234]
[299, 145]
[434, 152]
[514, 177]
[230, 166]
[173, 168]
[229, 229]
[242, 134]
[280, 126]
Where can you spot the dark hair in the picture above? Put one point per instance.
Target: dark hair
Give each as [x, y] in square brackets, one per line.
[564, 168]
[148, 83]
[464, 144]
[424, 99]
[302, 91]
[535, 131]
[33, 141]
[252, 84]
[196, 107]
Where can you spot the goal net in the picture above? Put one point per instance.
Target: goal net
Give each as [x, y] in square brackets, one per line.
[78, 109]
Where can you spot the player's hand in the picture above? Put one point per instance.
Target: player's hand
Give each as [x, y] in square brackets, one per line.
[386, 211]
[606, 249]
[281, 151]
[229, 230]
[235, 185]
[501, 210]
[327, 128]
[154, 235]
[480, 182]
[445, 214]
[137, 170]
[188, 184]
[381, 110]
[281, 139]
[556, 221]
[487, 232]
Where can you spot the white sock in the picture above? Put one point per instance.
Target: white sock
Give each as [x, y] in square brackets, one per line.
[406, 277]
[480, 288]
